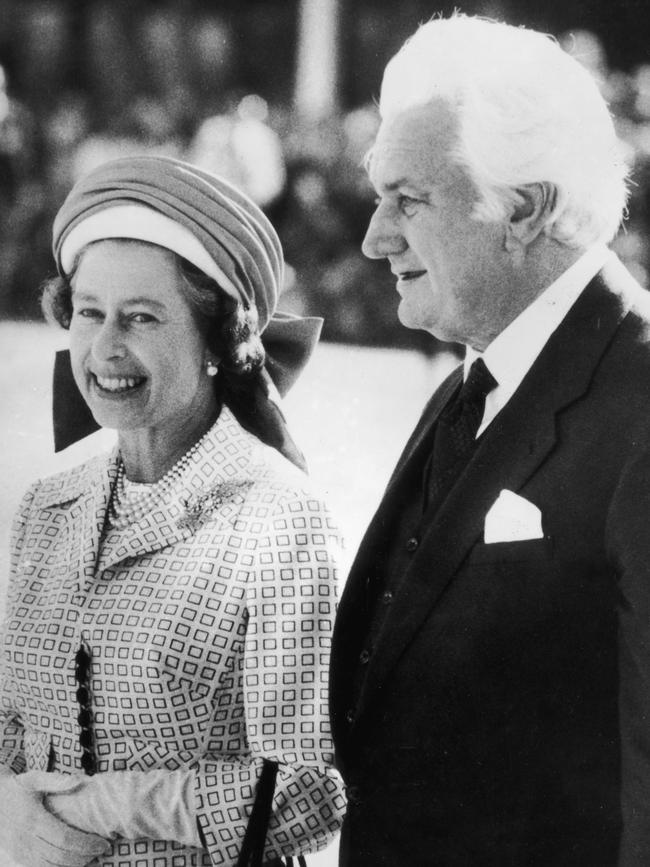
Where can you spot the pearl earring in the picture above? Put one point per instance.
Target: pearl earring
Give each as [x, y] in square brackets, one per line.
[211, 368]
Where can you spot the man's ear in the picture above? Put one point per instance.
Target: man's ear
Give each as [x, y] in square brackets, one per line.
[531, 213]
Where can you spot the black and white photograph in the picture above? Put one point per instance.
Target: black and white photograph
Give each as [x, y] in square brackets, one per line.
[325, 433]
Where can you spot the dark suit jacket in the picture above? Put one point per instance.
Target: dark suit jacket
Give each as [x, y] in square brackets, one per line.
[503, 717]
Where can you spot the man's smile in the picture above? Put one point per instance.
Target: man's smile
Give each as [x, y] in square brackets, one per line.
[405, 276]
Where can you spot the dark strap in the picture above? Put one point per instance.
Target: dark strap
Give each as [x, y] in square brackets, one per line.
[252, 850]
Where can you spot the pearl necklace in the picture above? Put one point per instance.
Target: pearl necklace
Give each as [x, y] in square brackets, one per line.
[130, 502]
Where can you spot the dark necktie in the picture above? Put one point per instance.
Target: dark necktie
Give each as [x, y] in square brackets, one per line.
[455, 434]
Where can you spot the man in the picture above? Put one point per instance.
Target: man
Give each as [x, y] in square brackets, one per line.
[491, 661]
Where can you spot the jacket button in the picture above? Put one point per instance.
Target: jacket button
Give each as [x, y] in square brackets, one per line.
[364, 656]
[349, 716]
[412, 544]
[353, 794]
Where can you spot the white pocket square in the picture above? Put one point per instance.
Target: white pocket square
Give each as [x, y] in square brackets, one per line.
[512, 519]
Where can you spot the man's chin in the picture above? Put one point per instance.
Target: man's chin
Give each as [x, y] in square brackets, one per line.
[414, 319]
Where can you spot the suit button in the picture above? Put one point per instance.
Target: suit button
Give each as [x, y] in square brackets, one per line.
[387, 597]
[364, 656]
[354, 795]
[349, 716]
[412, 544]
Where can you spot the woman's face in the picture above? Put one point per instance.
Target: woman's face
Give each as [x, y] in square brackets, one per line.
[138, 356]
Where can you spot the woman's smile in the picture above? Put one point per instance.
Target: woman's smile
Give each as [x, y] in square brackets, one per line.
[117, 385]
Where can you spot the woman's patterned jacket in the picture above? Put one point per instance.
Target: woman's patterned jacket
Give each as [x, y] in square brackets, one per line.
[209, 624]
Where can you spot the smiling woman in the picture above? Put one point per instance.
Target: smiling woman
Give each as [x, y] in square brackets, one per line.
[137, 352]
[178, 594]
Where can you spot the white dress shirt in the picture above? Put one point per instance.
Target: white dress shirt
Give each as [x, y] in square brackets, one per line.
[512, 353]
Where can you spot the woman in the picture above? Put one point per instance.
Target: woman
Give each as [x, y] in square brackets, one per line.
[170, 605]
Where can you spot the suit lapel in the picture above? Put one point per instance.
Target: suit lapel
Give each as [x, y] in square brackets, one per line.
[399, 487]
[80, 499]
[511, 450]
[421, 436]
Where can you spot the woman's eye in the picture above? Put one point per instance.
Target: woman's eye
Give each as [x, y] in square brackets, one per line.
[87, 312]
[142, 318]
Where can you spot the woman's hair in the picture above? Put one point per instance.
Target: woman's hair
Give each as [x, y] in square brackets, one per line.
[528, 112]
[231, 331]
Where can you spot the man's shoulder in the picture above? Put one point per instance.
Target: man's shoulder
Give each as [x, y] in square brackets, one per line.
[618, 280]
[631, 343]
[606, 330]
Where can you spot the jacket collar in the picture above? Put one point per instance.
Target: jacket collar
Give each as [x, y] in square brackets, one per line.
[219, 475]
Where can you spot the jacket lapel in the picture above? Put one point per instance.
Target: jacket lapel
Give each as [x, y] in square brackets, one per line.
[511, 450]
[218, 481]
[421, 436]
[156, 530]
[81, 499]
[399, 487]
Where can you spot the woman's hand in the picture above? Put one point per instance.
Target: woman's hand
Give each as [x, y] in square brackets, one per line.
[33, 836]
[158, 805]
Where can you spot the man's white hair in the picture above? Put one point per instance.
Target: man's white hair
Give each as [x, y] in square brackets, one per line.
[528, 113]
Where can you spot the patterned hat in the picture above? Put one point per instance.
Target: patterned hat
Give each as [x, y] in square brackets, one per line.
[234, 242]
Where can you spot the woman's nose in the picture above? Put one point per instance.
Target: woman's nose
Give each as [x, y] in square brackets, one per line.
[383, 237]
[108, 343]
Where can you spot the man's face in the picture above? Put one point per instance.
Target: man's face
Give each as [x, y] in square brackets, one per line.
[448, 264]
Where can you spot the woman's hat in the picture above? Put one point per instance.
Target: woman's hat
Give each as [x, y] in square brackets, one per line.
[222, 232]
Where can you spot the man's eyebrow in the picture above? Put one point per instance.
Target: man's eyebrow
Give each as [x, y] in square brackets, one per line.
[391, 186]
[399, 183]
[395, 185]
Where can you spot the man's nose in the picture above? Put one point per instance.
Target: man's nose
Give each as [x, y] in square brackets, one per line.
[383, 237]
[108, 343]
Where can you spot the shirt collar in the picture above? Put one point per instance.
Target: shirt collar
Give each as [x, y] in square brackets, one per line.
[512, 353]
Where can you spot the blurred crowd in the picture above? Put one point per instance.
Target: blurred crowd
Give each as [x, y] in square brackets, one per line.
[81, 82]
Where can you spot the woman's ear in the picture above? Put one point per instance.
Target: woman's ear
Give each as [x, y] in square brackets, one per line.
[536, 205]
